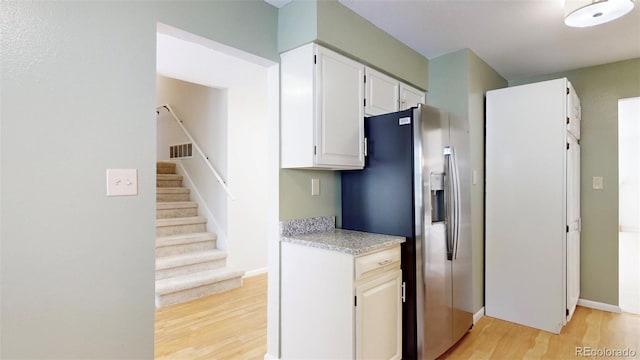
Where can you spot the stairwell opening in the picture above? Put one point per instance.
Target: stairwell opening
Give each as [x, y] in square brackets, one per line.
[207, 240]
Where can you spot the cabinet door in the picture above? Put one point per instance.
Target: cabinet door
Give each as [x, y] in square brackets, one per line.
[297, 112]
[381, 93]
[379, 318]
[340, 111]
[410, 96]
[573, 222]
[574, 112]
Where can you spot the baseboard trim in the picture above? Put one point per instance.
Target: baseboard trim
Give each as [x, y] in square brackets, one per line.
[255, 272]
[599, 306]
[270, 357]
[477, 316]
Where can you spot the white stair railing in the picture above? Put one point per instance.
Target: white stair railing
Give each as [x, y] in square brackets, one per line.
[198, 149]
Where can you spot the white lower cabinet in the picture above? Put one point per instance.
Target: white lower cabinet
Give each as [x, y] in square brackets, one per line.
[379, 317]
[340, 306]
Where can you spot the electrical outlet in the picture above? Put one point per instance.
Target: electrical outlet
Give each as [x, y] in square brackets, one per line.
[122, 182]
[315, 187]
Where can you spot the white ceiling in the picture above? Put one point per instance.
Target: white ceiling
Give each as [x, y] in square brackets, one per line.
[518, 38]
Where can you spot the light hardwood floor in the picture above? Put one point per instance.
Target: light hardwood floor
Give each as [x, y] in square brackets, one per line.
[229, 325]
[496, 339]
[232, 325]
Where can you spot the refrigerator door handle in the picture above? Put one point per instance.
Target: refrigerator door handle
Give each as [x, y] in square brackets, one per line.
[456, 202]
[448, 196]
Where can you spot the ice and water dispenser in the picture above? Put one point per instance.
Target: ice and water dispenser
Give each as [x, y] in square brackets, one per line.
[437, 197]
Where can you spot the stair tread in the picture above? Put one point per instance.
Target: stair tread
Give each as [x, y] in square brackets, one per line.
[172, 190]
[181, 221]
[179, 283]
[185, 238]
[168, 177]
[166, 205]
[166, 262]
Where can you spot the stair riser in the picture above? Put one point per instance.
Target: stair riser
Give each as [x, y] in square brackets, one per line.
[175, 213]
[194, 293]
[185, 248]
[180, 229]
[165, 170]
[169, 183]
[172, 197]
[188, 269]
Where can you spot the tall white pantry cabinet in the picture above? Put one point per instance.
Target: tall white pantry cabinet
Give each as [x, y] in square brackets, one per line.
[532, 229]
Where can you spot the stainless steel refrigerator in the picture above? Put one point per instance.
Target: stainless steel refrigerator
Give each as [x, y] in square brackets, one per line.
[416, 184]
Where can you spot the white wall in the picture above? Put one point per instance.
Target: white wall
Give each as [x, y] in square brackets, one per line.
[629, 164]
[247, 134]
[629, 202]
[202, 109]
[248, 171]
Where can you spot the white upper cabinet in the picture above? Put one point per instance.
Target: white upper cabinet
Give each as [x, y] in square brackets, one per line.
[322, 110]
[323, 107]
[339, 101]
[410, 96]
[385, 94]
[381, 92]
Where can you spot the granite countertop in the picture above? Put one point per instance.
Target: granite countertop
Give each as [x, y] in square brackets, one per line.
[345, 241]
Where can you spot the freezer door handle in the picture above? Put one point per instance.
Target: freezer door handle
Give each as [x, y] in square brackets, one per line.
[452, 199]
[448, 199]
[456, 202]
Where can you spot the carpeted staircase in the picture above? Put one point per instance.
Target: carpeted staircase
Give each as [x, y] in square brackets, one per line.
[188, 264]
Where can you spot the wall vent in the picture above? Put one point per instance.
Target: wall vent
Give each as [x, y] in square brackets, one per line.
[181, 151]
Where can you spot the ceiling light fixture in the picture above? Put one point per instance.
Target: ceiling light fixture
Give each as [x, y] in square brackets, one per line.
[584, 13]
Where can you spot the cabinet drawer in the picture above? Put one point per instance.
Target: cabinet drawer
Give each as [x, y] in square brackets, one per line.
[369, 263]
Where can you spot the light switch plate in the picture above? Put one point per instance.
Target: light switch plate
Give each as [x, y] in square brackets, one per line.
[598, 183]
[122, 182]
[474, 177]
[315, 187]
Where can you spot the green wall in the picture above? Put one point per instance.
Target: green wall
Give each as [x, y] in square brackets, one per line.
[449, 82]
[77, 97]
[458, 82]
[296, 201]
[343, 29]
[333, 25]
[297, 24]
[249, 25]
[482, 78]
[599, 88]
